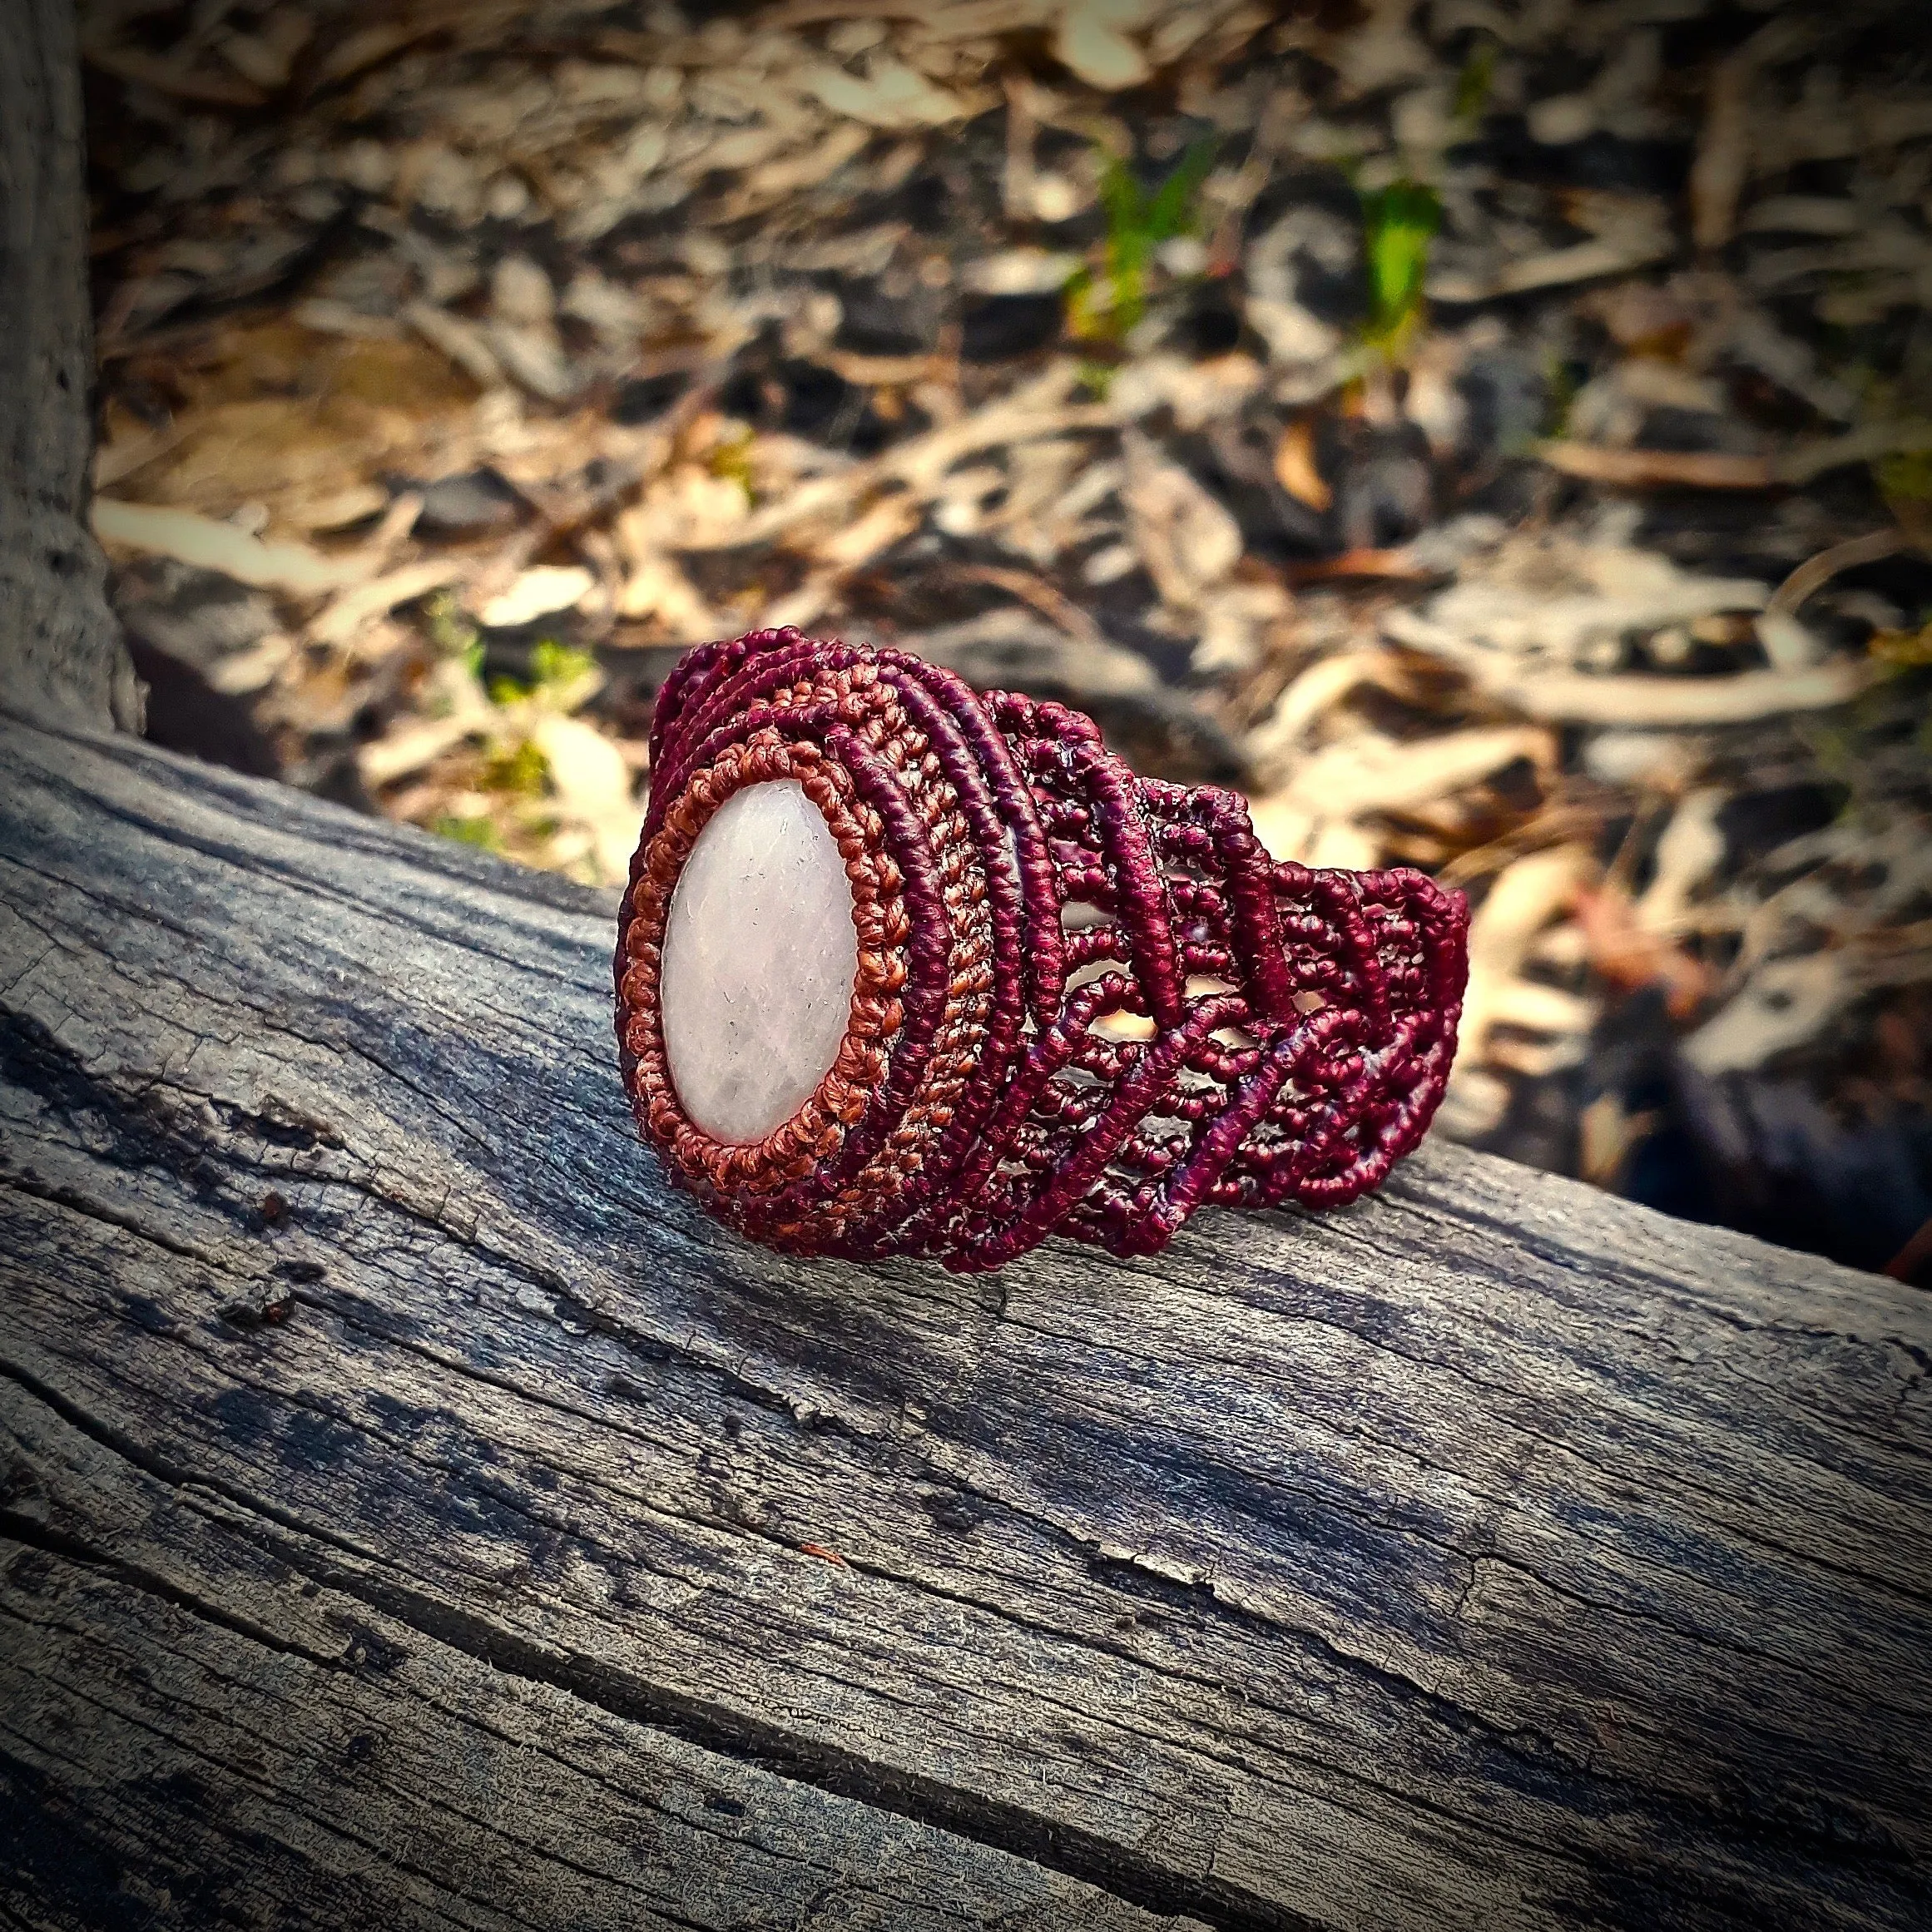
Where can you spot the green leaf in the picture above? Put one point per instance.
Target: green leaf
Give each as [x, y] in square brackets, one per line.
[1474, 82]
[732, 461]
[1136, 225]
[1399, 224]
[556, 664]
[481, 832]
[1172, 210]
[1122, 197]
[1096, 379]
[522, 771]
[1906, 476]
[1560, 387]
[453, 633]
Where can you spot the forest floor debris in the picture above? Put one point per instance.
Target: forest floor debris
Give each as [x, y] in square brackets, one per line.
[1498, 438]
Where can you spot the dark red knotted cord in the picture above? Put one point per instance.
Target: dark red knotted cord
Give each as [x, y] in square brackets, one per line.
[1087, 1003]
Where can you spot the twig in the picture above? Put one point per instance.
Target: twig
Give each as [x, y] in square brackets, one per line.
[1660, 468]
[556, 524]
[1397, 564]
[1584, 698]
[1723, 158]
[1716, 470]
[1812, 575]
[1017, 182]
[1051, 603]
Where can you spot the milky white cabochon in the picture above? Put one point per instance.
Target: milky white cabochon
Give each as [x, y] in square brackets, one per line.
[760, 957]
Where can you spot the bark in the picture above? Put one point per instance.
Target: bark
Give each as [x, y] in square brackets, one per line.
[61, 651]
[419, 1514]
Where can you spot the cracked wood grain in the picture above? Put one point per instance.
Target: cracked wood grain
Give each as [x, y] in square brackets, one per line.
[328, 1766]
[61, 650]
[1489, 1554]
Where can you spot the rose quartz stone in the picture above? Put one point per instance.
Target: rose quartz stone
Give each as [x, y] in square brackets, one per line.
[760, 957]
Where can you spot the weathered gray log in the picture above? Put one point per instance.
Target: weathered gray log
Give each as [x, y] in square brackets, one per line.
[422, 1516]
[337, 1769]
[61, 651]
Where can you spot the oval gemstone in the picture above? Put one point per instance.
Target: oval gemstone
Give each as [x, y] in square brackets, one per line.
[759, 958]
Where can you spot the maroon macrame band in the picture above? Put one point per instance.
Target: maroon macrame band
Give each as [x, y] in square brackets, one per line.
[1086, 1003]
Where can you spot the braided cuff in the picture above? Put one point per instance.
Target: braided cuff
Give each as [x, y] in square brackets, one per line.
[1085, 1003]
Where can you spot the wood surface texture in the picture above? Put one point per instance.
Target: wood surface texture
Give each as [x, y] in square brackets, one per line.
[416, 1514]
[61, 651]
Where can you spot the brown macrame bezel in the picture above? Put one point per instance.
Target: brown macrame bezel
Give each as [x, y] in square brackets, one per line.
[815, 1178]
[812, 1136]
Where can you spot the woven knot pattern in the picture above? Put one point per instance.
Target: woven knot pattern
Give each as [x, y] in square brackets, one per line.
[1087, 1003]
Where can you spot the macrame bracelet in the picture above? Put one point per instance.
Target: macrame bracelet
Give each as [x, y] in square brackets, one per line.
[1085, 1002]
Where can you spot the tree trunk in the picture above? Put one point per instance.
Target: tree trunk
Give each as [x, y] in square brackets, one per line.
[421, 1515]
[61, 653]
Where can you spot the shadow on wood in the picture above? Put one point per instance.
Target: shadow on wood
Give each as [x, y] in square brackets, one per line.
[419, 1515]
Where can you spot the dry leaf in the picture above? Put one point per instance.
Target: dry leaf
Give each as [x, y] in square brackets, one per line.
[1366, 772]
[1187, 537]
[1089, 42]
[688, 509]
[1295, 465]
[450, 687]
[521, 293]
[1688, 853]
[534, 357]
[857, 543]
[340, 508]
[1723, 158]
[1575, 698]
[890, 96]
[1527, 896]
[1625, 951]
[1785, 1003]
[1787, 643]
[1325, 682]
[1234, 620]
[209, 544]
[1811, 575]
[1198, 393]
[1578, 698]
[125, 456]
[1019, 271]
[546, 591]
[1583, 261]
[171, 77]
[1897, 436]
[464, 342]
[341, 624]
[591, 785]
[657, 587]
[1555, 595]
[1380, 51]
[1639, 469]
[1290, 830]
[788, 174]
